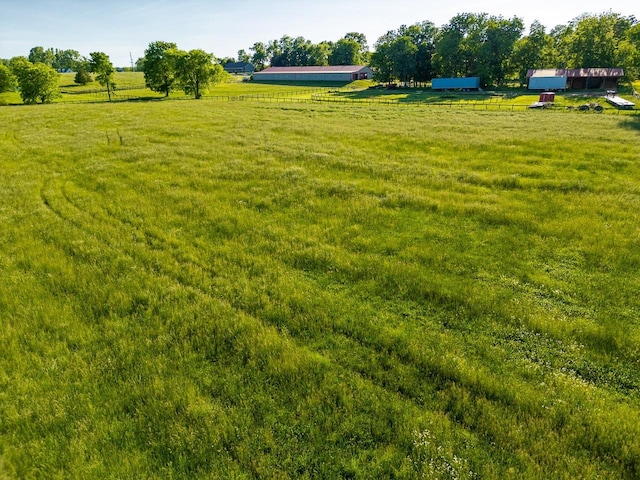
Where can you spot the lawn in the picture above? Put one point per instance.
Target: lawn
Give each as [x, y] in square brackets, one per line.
[249, 290]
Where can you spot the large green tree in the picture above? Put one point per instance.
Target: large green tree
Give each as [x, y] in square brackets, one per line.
[561, 36]
[532, 51]
[381, 60]
[260, 56]
[605, 40]
[403, 56]
[351, 49]
[423, 35]
[595, 40]
[345, 52]
[395, 57]
[37, 82]
[67, 59]
[7, 79]
[499, 36]
[196, 71]
[457, 47]
[629, 53]
[361, 39]
[476, 44]
[243, 56]
[101, 65]
[294, 52]
[39, 54]
[160, 66]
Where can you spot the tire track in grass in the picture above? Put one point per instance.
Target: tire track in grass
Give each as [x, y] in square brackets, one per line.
[56, 198]
[61, 203]
[354, 342]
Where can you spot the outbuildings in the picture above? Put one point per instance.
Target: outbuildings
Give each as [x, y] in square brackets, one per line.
[339, 73]
[575, 79]
[239, 67]
[548, 83]
[456, 83]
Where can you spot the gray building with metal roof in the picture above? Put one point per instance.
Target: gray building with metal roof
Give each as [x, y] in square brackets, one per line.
[339, 73]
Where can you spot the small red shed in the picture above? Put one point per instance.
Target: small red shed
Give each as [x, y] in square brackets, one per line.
[547, 97]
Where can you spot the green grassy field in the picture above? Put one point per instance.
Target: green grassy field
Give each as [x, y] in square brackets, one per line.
[131, 86]
[502, 100]
[245, 290]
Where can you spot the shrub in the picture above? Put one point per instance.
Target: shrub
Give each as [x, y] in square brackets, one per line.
[83, 77]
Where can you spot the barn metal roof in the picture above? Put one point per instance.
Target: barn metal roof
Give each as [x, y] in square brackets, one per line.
[324, 69]
[577, 72]
[237, 64]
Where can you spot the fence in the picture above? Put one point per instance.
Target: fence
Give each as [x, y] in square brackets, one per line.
[327, 95]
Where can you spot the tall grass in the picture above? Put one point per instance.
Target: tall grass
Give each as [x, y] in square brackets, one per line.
[238, 290]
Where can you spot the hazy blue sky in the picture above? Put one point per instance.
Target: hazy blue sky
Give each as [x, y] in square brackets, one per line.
[118, 27]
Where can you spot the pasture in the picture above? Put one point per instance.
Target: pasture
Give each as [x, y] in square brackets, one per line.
[248, 290]
[130, 86]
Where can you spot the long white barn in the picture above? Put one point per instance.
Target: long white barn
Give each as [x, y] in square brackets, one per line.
[339, 73]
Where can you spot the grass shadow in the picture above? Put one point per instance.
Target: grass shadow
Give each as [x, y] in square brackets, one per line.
[419, 95]
[145, 99]
[632, 122]
[293, 83]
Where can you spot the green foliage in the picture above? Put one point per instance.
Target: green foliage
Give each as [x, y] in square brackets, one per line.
[160, 66]
[82, 77]
[532, 52]
[68, 60]
[7, 79]
[330, 292]
[37, 82]
[196, 71]
[423, 36]
[477, 45]
[259, 57]
[595, 39]
[288, 52]
[101, 65]
[492, 47]
[381, 60]
[500, 36]
[405, 54]
[243, 56]
[350, 50]
[40, 55]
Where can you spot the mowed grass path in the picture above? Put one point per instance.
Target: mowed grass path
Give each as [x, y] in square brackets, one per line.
[204, 290]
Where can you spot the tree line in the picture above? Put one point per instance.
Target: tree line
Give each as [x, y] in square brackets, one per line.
[352, 49]
[493, 48]
[165, 68]
[37, 79]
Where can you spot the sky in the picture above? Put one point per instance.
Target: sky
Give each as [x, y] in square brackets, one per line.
[123, 29]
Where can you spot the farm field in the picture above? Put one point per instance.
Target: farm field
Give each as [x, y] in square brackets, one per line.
[131, 87]
[249, 290]
[499, 100]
